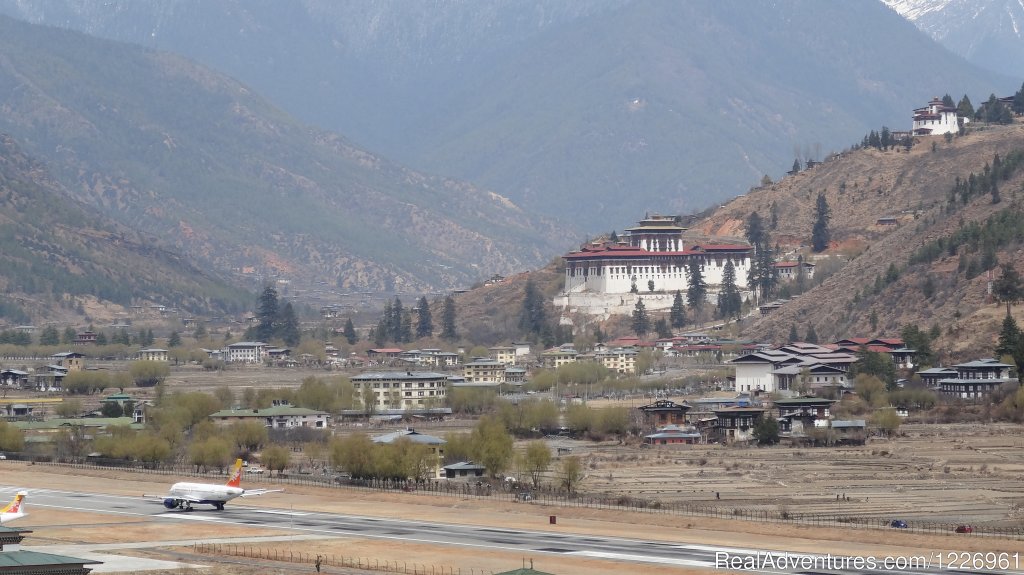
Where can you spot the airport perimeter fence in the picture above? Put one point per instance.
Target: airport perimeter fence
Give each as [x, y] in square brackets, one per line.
[520, 493]
[331, 560]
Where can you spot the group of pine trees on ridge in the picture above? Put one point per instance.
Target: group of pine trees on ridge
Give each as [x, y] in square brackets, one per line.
[396, 323]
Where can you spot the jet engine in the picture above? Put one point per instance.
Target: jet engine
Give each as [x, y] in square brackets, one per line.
[171, 503]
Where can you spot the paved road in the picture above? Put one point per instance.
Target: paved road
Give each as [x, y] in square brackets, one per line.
[626, 550]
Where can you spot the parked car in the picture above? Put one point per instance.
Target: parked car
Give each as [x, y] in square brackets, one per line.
[964, 529]
[898, 524]
[254, 470]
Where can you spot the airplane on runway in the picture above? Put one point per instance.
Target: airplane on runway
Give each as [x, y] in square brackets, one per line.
[15, 509]
[184, 495]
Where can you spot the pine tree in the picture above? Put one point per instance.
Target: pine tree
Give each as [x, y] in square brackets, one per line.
[405, 331]
[755, 229]
[947, 100]
[1018, 101]
[267, 313]
[424, 322]
[349, 332]
[812, 335]
[729, 300]
[69, 336]
[763, 276]
[174, 340]
[820, 234]
[101, 338]
[533, 316]
[288, 326]
[641, 323]
[614, 237]
[662, 328]
[394, 322]
[448, 320]
[1009, 337]
[965, 109]
[793, 336]
[1007, 288]
[677, 315]
[796, 165]
[696, 293]
[385, 332]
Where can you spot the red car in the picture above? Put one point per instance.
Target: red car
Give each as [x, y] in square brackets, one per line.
[964, 529]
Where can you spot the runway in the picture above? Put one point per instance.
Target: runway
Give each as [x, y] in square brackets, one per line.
[527, 543]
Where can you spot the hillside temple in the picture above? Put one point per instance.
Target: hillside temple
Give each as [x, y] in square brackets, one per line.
[936, 119]
[600, 277]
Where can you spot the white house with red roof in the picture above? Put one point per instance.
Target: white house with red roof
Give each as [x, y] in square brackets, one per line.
[607, 278]
[790, 270]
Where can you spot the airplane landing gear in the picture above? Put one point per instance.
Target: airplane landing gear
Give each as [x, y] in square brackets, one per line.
[219, 506]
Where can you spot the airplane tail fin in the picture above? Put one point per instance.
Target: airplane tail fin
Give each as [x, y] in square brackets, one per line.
[17, 505]
[236, 475]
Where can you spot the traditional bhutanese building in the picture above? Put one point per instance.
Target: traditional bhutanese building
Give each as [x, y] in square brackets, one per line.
[935, 119]
[655, 250]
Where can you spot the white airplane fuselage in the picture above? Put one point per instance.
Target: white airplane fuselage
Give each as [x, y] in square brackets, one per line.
[208, 493]
[5, 517]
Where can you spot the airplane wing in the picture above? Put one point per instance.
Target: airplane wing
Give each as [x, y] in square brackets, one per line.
[162, 498]
[254, 492]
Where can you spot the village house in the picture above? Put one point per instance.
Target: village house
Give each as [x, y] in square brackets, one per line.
[401, 389]
[152, 354]
[522, 350]
[69, 360]
[85, 338]
[14, 378]
[848, 432]
[383, 355]
[932, 376]
[673, 435]
[504, 354]
[790, 270]
[246, 352]
[515, 375]
[276, 417]
[484, 370]
[621, 360]
[736, 424]
[434, 444]
[798, 415]
[558, 356]
[976, 379]
[664, 412]
[463, 470]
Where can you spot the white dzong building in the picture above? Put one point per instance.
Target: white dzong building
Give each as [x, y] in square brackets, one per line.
[935, 119]
[600, 277]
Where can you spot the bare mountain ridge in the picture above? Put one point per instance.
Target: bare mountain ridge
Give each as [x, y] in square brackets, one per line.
[861, 187]
[58, 253]
[201, 161]
[563, 107]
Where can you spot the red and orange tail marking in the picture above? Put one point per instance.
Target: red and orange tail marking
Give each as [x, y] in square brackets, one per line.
[14, 506]
[236, 476]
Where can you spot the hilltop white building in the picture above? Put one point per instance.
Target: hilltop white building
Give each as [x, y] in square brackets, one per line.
[600, 277]
[935, 119]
